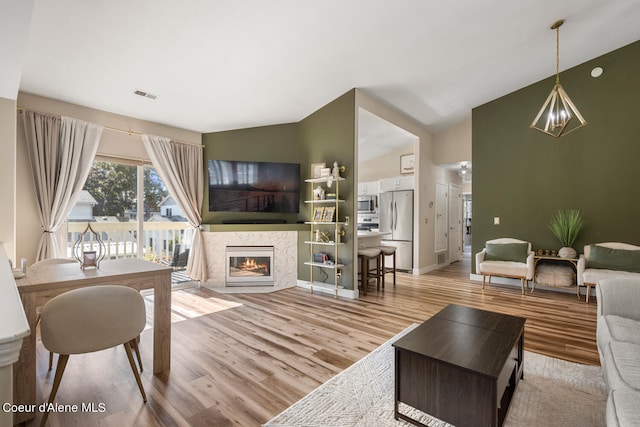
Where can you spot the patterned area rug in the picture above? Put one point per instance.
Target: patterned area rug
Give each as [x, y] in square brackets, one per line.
[553, 393]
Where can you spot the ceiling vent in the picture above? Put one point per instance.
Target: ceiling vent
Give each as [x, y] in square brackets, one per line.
[145, 94]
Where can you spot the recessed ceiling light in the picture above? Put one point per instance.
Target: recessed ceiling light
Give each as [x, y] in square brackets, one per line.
[145, 94]
[596, 72]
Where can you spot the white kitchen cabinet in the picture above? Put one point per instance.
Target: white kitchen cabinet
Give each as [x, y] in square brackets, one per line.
[402, 182]
[368, 188]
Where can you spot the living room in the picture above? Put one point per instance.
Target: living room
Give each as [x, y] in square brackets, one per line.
[520, 177]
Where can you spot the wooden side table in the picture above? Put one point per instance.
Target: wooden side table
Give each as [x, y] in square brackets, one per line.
[557, 260]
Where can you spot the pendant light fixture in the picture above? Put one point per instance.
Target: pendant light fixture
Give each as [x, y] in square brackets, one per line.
[558, 115]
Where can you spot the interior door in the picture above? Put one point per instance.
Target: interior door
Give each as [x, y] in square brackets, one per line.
[441, 217]
[455, 223]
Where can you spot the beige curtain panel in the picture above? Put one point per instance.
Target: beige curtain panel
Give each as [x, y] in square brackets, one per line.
[181, 167]
[61, 152]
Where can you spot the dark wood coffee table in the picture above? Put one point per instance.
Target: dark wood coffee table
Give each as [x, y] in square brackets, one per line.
[461, 366]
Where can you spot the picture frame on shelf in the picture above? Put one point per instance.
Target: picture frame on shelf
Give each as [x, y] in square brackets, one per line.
[407, 164]
[322, 237]
[318, 214]
[329, 212]
[316, 168]
[325, 172]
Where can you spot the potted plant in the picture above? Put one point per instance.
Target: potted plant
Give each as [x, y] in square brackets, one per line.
[565, 225]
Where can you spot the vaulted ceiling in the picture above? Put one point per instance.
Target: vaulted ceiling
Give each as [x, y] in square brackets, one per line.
[218, 65]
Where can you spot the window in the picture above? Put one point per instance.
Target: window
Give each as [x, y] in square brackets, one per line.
[109, 202]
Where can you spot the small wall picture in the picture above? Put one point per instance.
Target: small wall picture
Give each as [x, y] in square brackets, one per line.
[318, 214]
[316, 168]
[407, 163]
[328, 214]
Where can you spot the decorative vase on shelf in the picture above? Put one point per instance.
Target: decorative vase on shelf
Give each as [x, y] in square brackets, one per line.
[566, 252]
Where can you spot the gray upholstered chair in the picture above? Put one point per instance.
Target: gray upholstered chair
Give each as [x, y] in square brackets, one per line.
[57, 261]
[506, 257]
[91, 319]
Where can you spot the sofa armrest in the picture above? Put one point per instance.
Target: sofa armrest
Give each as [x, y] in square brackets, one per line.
[582, 266]
[620, 297]
[480, 258]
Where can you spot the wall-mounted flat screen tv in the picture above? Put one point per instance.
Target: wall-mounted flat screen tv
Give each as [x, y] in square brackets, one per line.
[239, 186]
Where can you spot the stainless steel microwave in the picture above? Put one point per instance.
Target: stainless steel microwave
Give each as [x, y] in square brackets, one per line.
[367, 204]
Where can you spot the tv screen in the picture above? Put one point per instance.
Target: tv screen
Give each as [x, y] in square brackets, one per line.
[238, 186]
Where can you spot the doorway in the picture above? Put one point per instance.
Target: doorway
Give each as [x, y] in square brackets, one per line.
[456, 246]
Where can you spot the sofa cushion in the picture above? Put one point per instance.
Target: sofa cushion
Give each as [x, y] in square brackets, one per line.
[623, 408]
[624, 329]
[503, 268]
[621, 365]
[594, 275]
[616, 328]
[614, 259]
[516, 252]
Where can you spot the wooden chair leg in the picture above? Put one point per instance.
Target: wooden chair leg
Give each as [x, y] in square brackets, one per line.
[50, 360]
[384, 269]
[364, 267]
[62, 363]
[127, 348]
[522, 285]
[136, 349]
[394, 269]
[378, 274]
[483, 279]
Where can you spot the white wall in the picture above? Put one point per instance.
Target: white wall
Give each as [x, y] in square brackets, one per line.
[453, 144]
[27, 223]
[386, 166]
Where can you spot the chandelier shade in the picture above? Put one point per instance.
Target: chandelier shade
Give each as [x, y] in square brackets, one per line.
[558, 116]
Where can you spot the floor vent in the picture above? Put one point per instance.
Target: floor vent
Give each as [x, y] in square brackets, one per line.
[441, 258]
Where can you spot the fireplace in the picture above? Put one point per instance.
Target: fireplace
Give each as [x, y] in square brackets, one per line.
[249, 266]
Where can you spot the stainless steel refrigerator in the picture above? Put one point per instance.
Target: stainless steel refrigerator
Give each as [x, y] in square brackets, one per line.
[395, 210]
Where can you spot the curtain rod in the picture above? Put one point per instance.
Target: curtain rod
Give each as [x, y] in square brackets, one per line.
[128, 132]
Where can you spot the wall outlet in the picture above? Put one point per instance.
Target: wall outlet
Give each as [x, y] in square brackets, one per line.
[496, 220]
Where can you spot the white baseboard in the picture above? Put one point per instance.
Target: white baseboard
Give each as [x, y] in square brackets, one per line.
[427, 269]
[328, 289]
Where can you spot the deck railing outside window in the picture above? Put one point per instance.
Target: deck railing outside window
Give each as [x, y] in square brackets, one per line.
[120, 238]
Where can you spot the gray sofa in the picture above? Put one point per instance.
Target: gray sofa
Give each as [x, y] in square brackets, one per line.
[618, 338]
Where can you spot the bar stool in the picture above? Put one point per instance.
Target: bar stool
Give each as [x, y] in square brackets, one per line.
[364, 256]
[384, 252]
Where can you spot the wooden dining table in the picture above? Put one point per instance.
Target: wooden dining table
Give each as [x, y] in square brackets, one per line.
[46, 281]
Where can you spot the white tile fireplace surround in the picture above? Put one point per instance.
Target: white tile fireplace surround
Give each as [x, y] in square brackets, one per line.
[285, 257]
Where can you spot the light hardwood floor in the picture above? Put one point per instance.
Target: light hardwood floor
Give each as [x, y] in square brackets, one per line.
[239, 360]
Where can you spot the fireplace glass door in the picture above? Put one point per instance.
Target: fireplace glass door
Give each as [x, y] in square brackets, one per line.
[249, 265]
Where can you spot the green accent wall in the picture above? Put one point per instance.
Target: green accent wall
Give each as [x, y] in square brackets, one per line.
[523, 176]
[326, 135]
